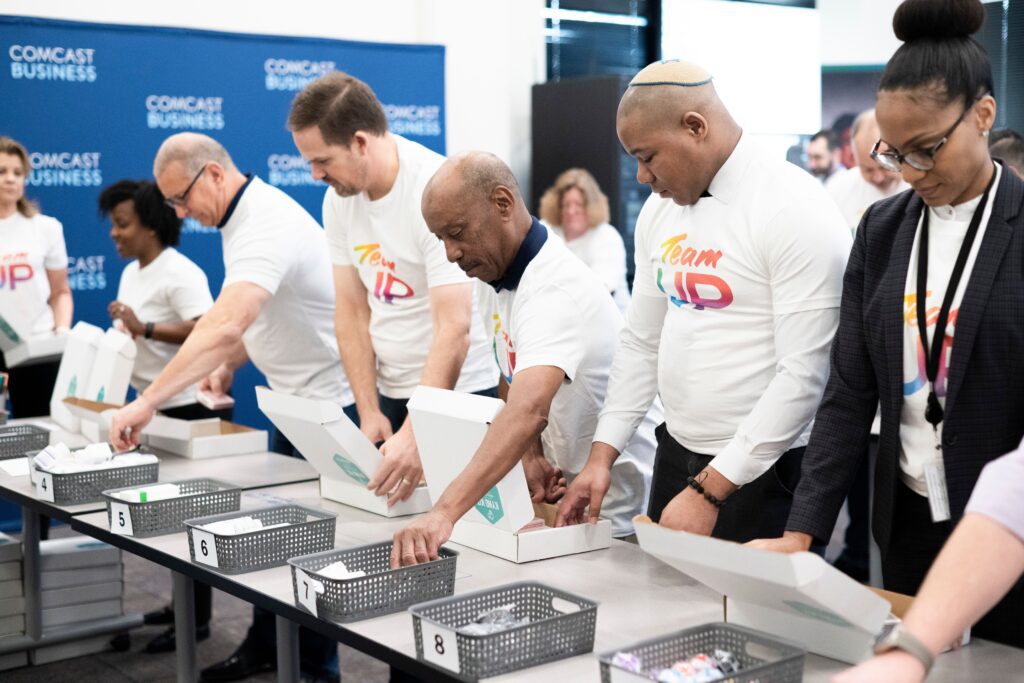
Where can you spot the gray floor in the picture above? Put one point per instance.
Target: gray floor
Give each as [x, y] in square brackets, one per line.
[148, 587]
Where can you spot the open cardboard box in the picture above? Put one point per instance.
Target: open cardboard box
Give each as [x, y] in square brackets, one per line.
[198, 439]
[449, 427]
[19, 345]
[93, 417]
[333, 444]
[75, 365]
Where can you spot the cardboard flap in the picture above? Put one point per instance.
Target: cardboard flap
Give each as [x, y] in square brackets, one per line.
[801, 584]
[324, 435]
[449, 427]
[118, 343]
[91, 411]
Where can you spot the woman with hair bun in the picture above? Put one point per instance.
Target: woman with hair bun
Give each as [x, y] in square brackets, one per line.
[932, 316]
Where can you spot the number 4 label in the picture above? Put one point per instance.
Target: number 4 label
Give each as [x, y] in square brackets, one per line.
[439, 645]
[204, 547]
[44, 486]
[120, 519]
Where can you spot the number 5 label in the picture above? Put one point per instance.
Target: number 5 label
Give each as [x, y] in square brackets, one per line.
[204, 547]
[439, 645]
[120, 519]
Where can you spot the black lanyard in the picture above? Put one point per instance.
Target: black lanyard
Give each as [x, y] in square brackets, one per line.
[934, 413]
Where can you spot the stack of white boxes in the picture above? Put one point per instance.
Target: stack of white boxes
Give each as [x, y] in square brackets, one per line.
[12, 600]
[81, 581]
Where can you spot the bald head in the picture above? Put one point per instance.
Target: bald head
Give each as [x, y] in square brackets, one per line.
[192, 151]
[473, 175]
[661, 91]
[864, 133]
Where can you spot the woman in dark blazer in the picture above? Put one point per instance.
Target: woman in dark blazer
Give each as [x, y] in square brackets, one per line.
[945, 413]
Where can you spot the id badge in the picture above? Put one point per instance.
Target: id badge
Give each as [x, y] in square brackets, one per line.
[938, 496]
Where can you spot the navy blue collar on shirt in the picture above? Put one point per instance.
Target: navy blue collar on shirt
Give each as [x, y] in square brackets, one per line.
[234, 202]
[534, 240]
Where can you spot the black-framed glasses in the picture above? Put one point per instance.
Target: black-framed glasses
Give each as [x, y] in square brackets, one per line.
[920, 159]
[175, 202]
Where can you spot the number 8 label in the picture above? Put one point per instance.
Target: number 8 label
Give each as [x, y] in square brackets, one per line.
[440, 646]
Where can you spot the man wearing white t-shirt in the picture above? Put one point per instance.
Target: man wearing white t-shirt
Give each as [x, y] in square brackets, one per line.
[404, 315]
[554, 329]
[739, 265]
[274, 307]
[855, 189]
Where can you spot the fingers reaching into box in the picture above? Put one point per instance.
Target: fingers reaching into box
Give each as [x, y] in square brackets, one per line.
[400, 470]
[587, 489]
[375, 426]
[127, 423]
[421, 540]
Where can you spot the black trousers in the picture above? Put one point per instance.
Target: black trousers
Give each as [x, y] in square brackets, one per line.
[31, 387]
[757, 510]
[916, 541]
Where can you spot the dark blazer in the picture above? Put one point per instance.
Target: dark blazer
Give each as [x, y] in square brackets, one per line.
[984, 415]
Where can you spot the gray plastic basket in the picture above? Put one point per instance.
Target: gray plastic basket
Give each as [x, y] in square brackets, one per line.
[383, 590]
[309, 531]
[552, 632]
[167, 516]
[88, 487]
[760, 657]
[16, 441]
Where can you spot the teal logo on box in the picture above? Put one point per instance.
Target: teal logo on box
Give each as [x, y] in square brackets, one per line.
[818, 613]
[490, 506]
[9, 331]
[351, 469]
[102, 393]
[73, 386]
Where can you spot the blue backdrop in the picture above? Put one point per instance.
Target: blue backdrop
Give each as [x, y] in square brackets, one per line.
[93, 102]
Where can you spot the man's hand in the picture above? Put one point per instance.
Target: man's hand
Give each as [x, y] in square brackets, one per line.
[127, 423]
[545, 481]
[790, 542]
[217, 382]
[588, 488]
[420, 541]
[375, 426]
[400, 470]
[895, 666]
[689, 511]
[119, 311]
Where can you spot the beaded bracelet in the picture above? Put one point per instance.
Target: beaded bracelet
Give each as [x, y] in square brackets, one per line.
[711, 498]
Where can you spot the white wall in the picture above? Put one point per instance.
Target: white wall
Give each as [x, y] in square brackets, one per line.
[857, 32]
[494, 48]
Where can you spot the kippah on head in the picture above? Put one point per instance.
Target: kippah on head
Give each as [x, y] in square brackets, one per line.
[672, 72]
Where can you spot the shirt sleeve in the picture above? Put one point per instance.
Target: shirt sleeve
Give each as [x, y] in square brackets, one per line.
[547, 332]
[1000, 490]
[190, 295]
[56, 257]
[263, 257]
[633, 382]
[336, 231]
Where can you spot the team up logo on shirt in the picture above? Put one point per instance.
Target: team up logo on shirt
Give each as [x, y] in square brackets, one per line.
[289, 170]
[386, 286]
[913, 385]
[508, 368]
[52, 63]
[65, 169]
[414, 119]
[15, 269]
[184, 111]
[684, 278]
[87, 272]
[293, 74]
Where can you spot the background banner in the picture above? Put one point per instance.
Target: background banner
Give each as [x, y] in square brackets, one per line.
[93, 102]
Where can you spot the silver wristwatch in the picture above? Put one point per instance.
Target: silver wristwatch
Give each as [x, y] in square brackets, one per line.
[899, 638]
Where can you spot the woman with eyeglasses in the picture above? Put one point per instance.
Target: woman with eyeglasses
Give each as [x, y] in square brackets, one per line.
[932, 316]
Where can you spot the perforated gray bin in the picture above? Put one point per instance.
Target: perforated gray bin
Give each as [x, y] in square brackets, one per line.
[760, 657]
[554, 632]
[309, 531]
[167, 516]
[16, 441]
[88, 487]
[382, 591]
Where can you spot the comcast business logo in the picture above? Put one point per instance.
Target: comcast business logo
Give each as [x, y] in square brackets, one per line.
[289, 170]
[414, 119]
[189, 112]
[293, 74]
[65, 169]
[52, 63]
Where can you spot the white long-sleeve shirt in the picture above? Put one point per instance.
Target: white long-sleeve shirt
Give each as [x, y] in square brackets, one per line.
[735, 303]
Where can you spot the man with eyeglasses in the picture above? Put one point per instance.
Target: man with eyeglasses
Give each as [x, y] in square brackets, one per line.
[275, 307]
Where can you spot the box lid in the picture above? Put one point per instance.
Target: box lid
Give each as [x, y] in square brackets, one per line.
[449, 427]
[91, 411]
[119, 343]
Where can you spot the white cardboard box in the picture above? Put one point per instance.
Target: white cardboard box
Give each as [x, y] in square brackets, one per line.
[18, 343]
[13, 660]
[449, 427]
[39, 349]
[11, 606]
[83, 576]
[75, 552]
[73, 614]
[798, 597]
[10, 570]
[10, 548]
[198, 439]
[70, 650]
[77, 595]
[15, 325]
[11, 589]
[93, 417]
[333, 444]
[75, 366]
[112, 369]
[12, 625]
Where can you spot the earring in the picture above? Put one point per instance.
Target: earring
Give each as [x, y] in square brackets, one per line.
[984, 133]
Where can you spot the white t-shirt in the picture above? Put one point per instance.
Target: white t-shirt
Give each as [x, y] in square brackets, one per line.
[560, 315]
[735, 303]
[171, 289]
[399, 261]
[947, 226]
[854, 195]
[28, 248]
[602, 249]
[271, 241]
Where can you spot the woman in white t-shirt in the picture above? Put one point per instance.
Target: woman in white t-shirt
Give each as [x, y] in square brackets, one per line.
[575, 209]
[33, 277]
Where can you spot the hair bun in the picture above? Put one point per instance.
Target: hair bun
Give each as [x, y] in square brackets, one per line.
[937, 19]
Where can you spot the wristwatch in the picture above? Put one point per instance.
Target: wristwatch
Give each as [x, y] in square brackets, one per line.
[900, 639]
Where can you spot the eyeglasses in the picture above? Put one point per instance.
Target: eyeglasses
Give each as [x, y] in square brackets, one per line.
[920, 159]
[181, 199]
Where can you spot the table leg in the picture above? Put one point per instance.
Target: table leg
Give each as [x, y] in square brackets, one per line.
[185, 627]
[287, 650]
[33, 573]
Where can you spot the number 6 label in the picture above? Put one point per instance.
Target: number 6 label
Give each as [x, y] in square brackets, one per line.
[120, 519]
[439, 645]
[204, 547]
